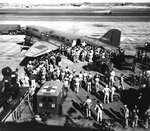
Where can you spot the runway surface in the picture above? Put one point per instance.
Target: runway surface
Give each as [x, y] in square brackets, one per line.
[78, 14]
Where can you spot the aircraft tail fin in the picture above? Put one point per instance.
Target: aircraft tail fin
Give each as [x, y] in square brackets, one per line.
[112, 37]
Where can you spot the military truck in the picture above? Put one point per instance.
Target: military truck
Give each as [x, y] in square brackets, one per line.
[103, 66]
[126, 60]
[11, 29]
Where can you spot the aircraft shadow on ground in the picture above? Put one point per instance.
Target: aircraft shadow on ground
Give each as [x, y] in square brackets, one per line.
[34, 125]
[131, 97]
[143, 67]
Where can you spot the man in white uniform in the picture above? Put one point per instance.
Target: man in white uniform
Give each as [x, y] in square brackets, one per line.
[106, 92]
[99, 109]
[88, 104]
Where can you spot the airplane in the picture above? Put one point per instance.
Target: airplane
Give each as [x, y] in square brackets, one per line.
[41, 40]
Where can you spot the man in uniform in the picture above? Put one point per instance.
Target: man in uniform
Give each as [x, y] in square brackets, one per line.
[126, 115]
[112, 78]
[147, 115]
[135, 116]
[90, 76]
[89, 85]
[112, 93]
[87, 105]
[99, 109]
[106, 92]
[122, 81]
[67, 71]
[97, 86]
[81, 78]
[77, 84]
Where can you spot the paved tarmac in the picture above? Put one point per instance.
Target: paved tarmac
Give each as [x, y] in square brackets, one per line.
[78, 14]
[11, 56]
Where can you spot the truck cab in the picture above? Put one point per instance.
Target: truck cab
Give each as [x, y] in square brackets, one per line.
[11, 29]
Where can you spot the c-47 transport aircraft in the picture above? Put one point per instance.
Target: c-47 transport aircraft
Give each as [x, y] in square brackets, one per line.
[41, 40]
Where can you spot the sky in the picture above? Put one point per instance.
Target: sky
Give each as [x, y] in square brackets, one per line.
[64, 1]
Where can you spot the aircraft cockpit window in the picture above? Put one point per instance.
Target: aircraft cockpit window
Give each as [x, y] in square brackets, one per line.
[52, 36]
[27, 28]
[33, 29]
[67, 40]
[57, 37]
[62, 38]
[42, 34]
[47, 35]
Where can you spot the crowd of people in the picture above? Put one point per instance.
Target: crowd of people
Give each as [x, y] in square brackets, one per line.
[49, 67]
[84, 53]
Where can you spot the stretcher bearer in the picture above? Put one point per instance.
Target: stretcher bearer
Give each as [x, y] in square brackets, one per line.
[99, 109]
[88, 104]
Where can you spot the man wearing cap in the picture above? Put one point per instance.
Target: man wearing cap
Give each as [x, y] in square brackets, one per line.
[122, 81]
[126, 114]
[99, 109]
[135, 116]
[106, 92]
[147, 117]
[87, 105]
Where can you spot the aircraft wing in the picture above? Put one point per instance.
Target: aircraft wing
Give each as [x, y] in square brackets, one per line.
[42, 47]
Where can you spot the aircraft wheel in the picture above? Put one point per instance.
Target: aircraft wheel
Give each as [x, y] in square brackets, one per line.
[0, 33]
[10, 32]
[88, 68]
[14, 33]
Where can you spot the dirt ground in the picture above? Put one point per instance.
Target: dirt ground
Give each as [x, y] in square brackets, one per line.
[11, 55]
